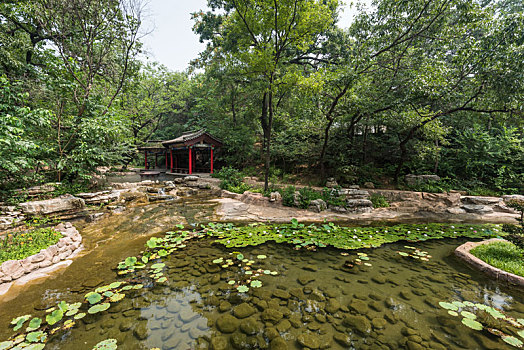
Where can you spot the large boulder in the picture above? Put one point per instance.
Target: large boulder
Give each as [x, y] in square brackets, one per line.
[478, 200]
[331, 182]
[65, 203]
[103, 197]
[317, 205]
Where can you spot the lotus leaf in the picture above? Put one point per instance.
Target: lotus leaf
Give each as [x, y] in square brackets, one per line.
[521, 334]
[108, 294]
[145, 259]
[448, 306]
[68, 324]
[243, 289]
[108, 344]
[63, 306]
[494, 312]
[231, 282]
[54, 317]
[364, 258]
[458, 303]
[115, 284]
[218, 261]
[274, 273]
[261, 256]
[6, 345]
[468, 314]
[98, 308]
[161, 280]
[249, 272]
[130, 261]
[240, 256]
[127, 287]
[36, 337]
[452, 313]
[158, 266]
[162, 253]
[256, 284]
[138, 286]
[521, 321]
[80, 316]
[117, 297]
[19, 321]
[403, 254]
[102, 289]
[71, 312]
[368, 264]
[472, 324]
[512, 341]
[34, 324]
[93, 297]
[35, 346]
[468, 303]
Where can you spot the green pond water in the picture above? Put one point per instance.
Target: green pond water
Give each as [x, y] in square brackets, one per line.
[313, 301]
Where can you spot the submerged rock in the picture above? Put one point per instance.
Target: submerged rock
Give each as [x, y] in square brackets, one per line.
[227, 323]
[243, 310]
[272, 315]
[309, 340]
[359, 323]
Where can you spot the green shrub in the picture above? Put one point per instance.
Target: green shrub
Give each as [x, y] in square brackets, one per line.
[307, 194]
[16, 246]
[444, 185]
[332, 198]
[288, 196]
[503, 255]
[232, 180]
[379, 201]
[516, 232]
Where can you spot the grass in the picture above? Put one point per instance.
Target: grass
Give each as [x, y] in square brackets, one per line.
[503, 255]
[16, 246]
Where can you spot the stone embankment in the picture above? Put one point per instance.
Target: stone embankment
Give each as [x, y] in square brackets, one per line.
[68, 246]
[463, 253]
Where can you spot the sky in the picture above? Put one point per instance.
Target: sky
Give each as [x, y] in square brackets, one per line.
[171, 40]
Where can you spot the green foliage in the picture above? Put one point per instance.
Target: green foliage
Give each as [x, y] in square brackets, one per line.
[379, 201]
[232, 180]
[313, 236]
[20, 245]
[288, 196]
[503, 255]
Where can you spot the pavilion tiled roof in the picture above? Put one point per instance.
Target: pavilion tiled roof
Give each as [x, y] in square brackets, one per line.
[189, 136]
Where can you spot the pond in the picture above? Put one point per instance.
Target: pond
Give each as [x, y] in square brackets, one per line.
[316, 299]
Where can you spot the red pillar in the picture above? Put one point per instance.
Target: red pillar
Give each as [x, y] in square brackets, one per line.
[190, 162]
[211, 160]
[145, 162]
[171, 160]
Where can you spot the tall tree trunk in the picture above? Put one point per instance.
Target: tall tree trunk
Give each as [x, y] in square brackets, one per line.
[324, 149]
[264, 122]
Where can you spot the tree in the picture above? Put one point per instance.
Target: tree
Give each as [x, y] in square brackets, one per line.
[258, 37]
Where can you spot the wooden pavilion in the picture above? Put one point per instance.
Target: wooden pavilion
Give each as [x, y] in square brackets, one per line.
[190, 153]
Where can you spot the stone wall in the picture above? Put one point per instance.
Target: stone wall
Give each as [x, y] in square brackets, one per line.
[69, 244]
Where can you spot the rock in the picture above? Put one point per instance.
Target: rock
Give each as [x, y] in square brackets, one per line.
[275, 197]
[283, 326]
[219, 343]
[305, 279]
[282, 294]
[369, 185]
[477, 209]
[411, 345]
[375, 305]
[187, 315]
[249, 326]
[317, 295]
[342, 339]
[479, 200]
[12, 268]
[103, 197]
[271, 315]
[243, 310]
[331, 182]
[65, 203]
[227, 323]
[309, 340]
[378, 323]
[317, 205]
[190, 178]
[141, 331]
[332, 306]
[417, 179]
[278, 343]
[359, 323]
[126, 324]
[359, 306]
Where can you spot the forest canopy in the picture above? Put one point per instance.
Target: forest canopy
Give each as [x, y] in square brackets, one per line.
[418, 86]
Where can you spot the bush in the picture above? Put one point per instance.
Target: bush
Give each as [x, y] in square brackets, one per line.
[332, 198]
[379, 201]
[444, 185]
[16, 246]
[516, 232]
[307, 194]
[288, 196]
[231, 180]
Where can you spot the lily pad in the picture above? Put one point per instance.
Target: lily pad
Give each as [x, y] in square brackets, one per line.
[403, 254]
[161, 280]
[267, 272]
[512, 341]
[130, 261]
[452, 313]
[158, 266]
[6, 345]
[448, 306]
[34, 324]
[240, 256]
[98, 308]
[108, 344]
[80, 316]
[117, 297]
[93, 297]
[256, 284]
[243, 289]
[218, 261]
[472, 324]
[36, 346]
[54, 317]
[468, 314]
[19, 321]
[261, 256]
[231, 282]
[36, 337]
